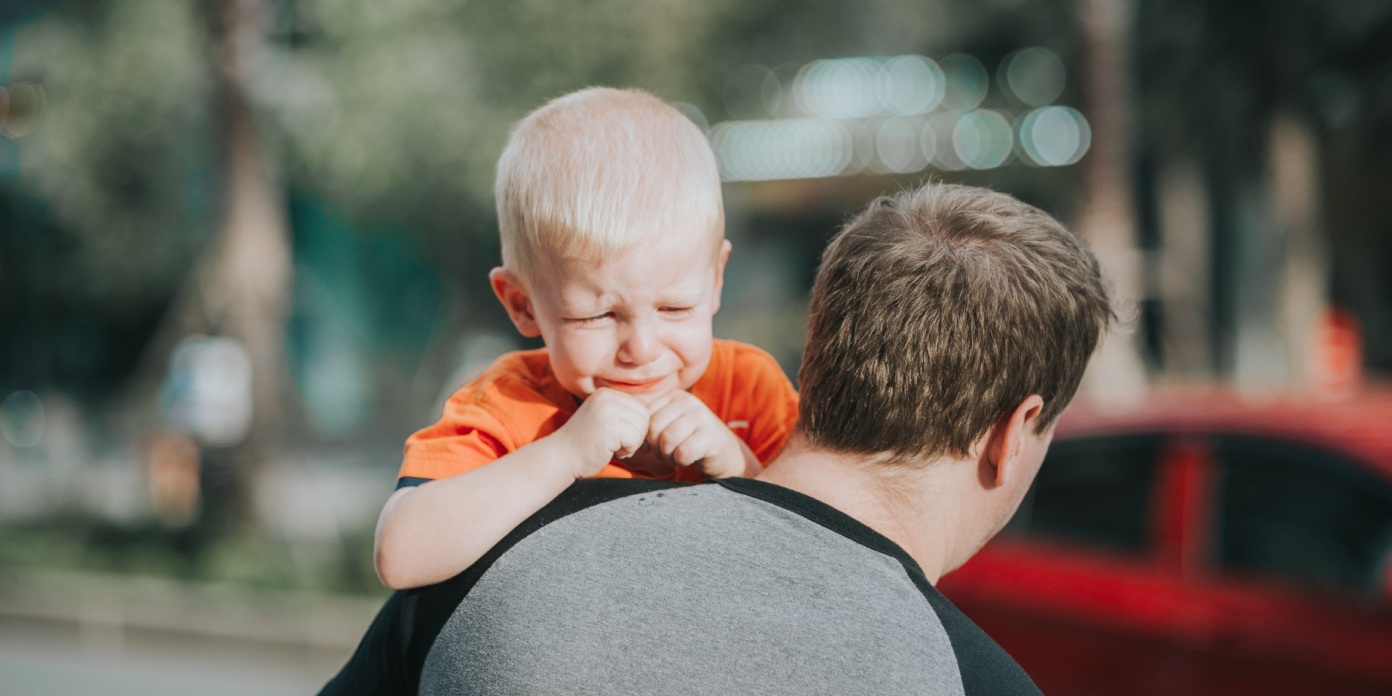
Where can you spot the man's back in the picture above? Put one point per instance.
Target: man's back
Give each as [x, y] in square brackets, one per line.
[638, 587]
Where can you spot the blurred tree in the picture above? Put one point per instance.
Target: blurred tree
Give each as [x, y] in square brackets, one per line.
[399, 110]
[392, 111]
[121, 155]
[1108, 219]
[150, 145]
[173, 132]
[1280, 108]
[243, 290]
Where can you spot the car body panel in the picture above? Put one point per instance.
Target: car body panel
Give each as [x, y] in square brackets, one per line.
[1166, 616]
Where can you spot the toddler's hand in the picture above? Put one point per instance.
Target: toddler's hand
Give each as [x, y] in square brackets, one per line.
[688, 433]
[608, 424]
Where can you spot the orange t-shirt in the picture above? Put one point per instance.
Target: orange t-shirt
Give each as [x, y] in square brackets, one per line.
[517, 401]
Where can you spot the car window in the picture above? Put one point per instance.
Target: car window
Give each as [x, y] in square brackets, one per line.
[1302, 514]
[1093, 491]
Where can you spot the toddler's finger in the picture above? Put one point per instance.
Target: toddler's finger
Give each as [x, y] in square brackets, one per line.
[630, 442]
[658, 424]
[660, 402]
[663, 418]
[675, 434]
[687, 453]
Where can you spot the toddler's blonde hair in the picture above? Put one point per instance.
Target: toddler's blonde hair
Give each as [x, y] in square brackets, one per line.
[594, 172]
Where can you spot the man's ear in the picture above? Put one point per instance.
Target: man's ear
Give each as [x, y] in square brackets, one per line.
[1002, 457]
[513, 294]
[720, 274]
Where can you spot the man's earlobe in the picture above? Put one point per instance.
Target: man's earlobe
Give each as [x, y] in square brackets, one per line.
[518, 303]
[1005, 445]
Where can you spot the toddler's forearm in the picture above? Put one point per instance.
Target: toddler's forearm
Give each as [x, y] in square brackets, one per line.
[434, 531]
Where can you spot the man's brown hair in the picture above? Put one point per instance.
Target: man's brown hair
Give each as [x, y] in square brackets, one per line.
[935, 313]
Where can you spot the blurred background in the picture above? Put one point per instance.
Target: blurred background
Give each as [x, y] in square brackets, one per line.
[244, 247]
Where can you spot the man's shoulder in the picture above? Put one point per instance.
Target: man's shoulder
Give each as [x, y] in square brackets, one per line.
[781, 591]
[580, 496]
[771, 584]
[391, 656]
[983, 666]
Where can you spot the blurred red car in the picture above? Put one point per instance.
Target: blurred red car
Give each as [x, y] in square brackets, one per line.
[1201, 544]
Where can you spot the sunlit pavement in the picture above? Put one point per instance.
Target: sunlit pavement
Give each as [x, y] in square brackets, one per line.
[62, 668]
[130, 640]
[66, 633]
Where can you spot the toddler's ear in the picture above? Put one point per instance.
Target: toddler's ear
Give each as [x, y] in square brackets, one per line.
[513, 294]
[720, 273]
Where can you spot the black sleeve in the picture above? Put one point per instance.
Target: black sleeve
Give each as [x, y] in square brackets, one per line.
[377, 666]
[410, 481]
[985, 666]
[390, 657]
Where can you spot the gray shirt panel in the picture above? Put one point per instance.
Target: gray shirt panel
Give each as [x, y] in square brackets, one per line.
[694, 590]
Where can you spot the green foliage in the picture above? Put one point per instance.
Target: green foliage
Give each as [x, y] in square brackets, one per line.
[399, 110]
[393, 111]
[375, 109]
[247, 561]
[121, 154]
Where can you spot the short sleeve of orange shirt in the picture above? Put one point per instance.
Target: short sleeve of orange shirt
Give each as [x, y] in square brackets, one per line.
[516, 401]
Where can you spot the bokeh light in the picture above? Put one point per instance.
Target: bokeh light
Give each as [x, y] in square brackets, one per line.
[208, 393]
[860, 87]
[983, 139]
[928, 142]
[863, 157]
[941, 129]
[897, 114]
[22, 419]
[897, 145]
[1054, 136]
[1033, 75]
[967, 82]
[838, 88]
[781, 149]
[911, 85]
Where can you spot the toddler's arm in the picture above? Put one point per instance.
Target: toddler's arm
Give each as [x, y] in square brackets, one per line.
[432, 532]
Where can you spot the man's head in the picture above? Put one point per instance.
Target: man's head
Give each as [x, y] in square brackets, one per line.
[936, 313]
[612, 232]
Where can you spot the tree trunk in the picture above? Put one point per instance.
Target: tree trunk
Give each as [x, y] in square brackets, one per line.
[1303, 279]
[1185, 271]
[247, 284]
[1107, 218]
[240, 287]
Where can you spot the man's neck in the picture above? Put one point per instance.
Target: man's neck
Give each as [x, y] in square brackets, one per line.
[910, 508]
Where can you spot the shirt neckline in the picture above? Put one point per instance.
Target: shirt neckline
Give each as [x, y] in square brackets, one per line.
[826, 516]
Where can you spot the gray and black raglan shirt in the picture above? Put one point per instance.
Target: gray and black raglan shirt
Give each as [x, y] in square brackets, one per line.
[643, 587]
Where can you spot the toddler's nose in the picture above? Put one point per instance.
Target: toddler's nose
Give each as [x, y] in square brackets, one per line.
[640, 346]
